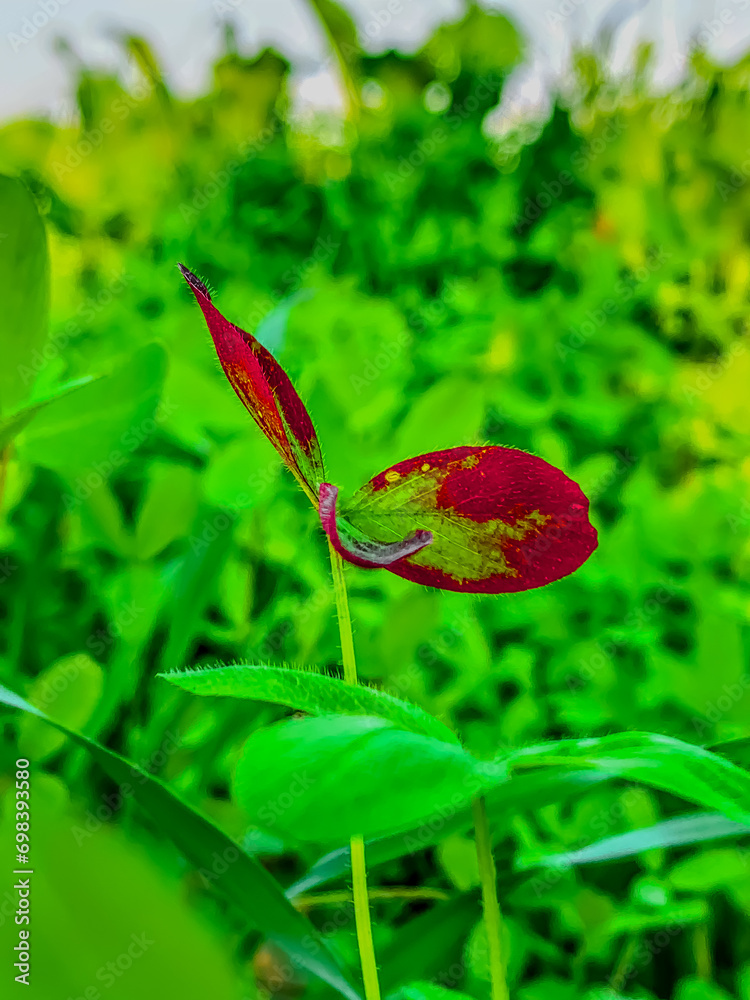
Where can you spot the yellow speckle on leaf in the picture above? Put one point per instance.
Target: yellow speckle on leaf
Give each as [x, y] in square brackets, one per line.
[392, 476]
[426, 467]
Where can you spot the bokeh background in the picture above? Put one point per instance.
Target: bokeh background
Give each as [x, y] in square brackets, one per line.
[561, 265]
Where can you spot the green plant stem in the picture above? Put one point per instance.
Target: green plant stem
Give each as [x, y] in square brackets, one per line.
[357, 844]
[345, 619]
[618, 978]
[492, 918]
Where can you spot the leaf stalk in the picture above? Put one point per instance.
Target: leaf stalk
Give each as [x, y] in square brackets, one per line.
[492, 916]
[357, 844]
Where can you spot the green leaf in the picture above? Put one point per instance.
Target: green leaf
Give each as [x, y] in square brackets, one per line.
[168, 509]
[24, 278]
[14, 423]
[675, 913]
[324, 779]
[306, 691]
[240, 877]
[693, 829]
[72, 686]
[95, 430]
[519, 793]
[662, 762]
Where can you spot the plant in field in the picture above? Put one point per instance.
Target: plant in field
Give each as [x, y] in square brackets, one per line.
[475, 519]
[378, 770]
[362, 771]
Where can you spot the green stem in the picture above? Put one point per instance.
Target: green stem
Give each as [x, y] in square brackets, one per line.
[492, 918]
[357, 845]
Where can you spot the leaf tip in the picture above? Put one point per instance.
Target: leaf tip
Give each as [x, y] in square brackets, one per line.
[195, 283]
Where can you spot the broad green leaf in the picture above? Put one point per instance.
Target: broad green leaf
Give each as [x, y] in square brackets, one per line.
[222, 862]
[518, 794]
[324, 779]
[310, 692]
[92, 433]
[70, 688]
[24, 278]
[693, 829]
[14, 423]
[661, 762]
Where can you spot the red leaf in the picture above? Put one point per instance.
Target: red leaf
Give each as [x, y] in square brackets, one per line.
[501, 520]
[265, 389]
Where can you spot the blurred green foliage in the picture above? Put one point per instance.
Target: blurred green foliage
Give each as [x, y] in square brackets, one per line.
[577, 289]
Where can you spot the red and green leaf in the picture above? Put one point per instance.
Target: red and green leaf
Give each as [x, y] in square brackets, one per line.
[359, 548]
[264, 387]
[500, 521]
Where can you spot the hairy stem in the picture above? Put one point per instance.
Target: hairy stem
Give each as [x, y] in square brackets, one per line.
[357, 845]
[492, 918]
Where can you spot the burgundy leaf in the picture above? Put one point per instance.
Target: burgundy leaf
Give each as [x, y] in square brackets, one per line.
[501, 520]
[265, 389]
